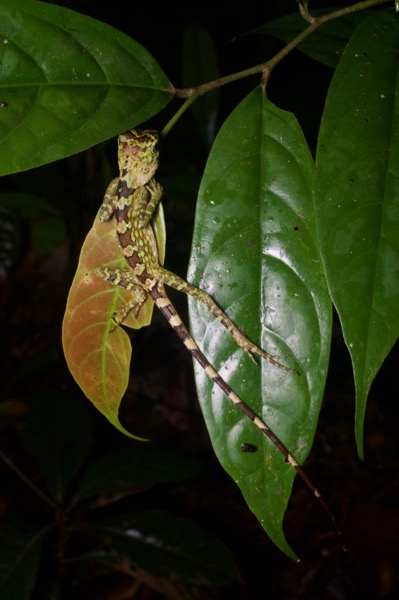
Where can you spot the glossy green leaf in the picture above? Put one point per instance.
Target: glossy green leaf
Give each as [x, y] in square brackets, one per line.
[47, 435]
[169, 550]
[68, 82]
[325, 44]
[254, 251]
[19, 562]
[357, 198]
[136, 466]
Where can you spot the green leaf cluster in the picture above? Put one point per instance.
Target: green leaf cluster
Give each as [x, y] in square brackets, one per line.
[94, 519]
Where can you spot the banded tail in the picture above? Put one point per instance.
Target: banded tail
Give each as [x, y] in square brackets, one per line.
[166, 307]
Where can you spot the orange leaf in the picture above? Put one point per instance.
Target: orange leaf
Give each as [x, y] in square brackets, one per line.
[97, 357]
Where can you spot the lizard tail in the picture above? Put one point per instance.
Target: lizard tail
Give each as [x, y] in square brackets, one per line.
[166, 307]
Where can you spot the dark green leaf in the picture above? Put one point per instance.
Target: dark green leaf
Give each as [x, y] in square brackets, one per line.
[68, 82]
[58, 435]
[254, 250]
[357, 198]
[170, 548]
[19, 561]
[325, 44]
[136, 466]
[200, 66]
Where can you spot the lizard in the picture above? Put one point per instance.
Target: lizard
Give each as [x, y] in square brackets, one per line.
[133, 198]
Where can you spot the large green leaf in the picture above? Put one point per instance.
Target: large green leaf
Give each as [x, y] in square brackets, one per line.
[135, 467]
[47, 435]
[68, 82]
[255, 252]
[357, 198]
[170, 553]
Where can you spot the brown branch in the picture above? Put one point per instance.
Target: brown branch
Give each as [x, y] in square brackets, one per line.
[192, 93]
[272, 62]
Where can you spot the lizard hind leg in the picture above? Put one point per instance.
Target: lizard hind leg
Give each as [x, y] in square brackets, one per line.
[126, 280]
[179, 284]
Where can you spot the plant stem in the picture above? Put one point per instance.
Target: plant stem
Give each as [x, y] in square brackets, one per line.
[265, 68]
[26, 480]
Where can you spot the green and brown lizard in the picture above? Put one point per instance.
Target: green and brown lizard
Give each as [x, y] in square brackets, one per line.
[133, 197]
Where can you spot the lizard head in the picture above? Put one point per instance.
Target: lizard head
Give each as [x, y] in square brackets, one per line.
[138, 156]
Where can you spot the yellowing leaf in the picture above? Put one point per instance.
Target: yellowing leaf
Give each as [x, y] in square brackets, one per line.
[97, 355]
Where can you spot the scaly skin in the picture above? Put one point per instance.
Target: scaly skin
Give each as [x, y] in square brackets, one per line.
[133, 197]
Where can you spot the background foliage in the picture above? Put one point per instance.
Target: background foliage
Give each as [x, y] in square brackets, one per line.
[41, 212]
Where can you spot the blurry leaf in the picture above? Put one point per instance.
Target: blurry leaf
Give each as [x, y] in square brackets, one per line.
[42, 361]
[29, 206]
[169, 550]
[255, 251]
[10, 239]
[62, 75]
[48, 234]
[19, 561]
[200, 66]
[357, 198]
[136, 466]
[325, 44]
[98, 357]
[13, 410]
[58, 435]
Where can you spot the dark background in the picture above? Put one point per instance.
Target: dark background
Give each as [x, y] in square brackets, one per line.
[161, 400]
